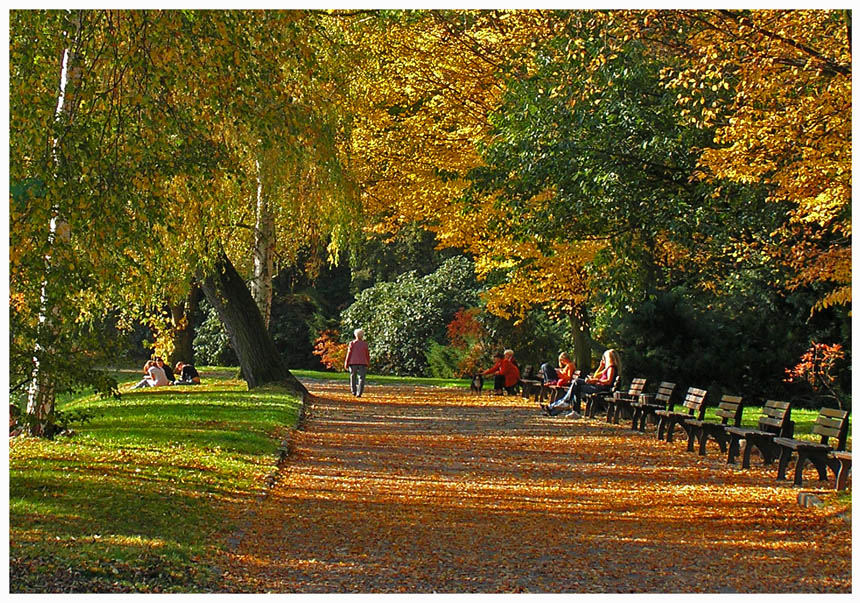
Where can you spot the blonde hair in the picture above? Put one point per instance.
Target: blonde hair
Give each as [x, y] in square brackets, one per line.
[612, 358]
[563, 356]
[359, 333]
[509, 352]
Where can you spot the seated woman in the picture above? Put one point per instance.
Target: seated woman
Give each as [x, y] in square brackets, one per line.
[560, 376]
[188, 375]
[168, 372]
[155, 376]
[507, 375]
[600, 381]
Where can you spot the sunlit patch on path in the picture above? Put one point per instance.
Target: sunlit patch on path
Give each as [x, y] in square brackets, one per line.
[417, 489]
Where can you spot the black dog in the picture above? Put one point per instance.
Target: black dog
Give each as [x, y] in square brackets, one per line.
[477, 384]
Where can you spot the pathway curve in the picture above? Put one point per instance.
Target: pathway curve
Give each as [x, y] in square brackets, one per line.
[417, 489]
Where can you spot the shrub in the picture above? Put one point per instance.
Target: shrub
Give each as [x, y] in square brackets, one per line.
[400, 317]
[331, 352]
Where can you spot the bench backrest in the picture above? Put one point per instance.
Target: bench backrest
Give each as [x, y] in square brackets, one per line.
[694, 402]
[615, 384]
[637, 386]
[776, 418]
[832, 423]
[730, 410]
[665, 395]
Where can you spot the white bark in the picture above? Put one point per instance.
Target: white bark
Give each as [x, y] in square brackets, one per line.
[264, 250]
[41, 391]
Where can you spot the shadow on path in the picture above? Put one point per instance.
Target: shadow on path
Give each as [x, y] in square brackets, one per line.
[412, 489]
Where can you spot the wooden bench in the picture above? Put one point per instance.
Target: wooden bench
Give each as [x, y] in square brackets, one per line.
[648, 404]
[621, 401]
[830, 423]
[593, 399]
[774, 422]
[842, 460]
[729, 411]
[694, 403]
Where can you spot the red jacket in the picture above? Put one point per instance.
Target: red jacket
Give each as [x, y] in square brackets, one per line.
[357, 353]
[508, 369]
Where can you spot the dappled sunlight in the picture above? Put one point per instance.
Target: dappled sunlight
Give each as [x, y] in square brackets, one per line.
[411, 489]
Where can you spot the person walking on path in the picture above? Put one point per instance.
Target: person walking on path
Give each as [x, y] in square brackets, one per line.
[357, 359]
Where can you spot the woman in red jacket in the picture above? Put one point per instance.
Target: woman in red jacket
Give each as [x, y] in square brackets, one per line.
[357, 361]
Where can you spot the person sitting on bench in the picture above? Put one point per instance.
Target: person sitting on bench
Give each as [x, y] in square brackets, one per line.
[600, 381]
[561, 376]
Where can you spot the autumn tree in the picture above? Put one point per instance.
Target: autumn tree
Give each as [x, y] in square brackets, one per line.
[166, 143]
[785, 123]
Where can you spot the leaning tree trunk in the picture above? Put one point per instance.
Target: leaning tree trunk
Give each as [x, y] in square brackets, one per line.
[264, 251]
[41, 393]
[258, 357]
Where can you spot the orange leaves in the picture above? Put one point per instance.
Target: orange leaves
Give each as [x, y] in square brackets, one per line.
[426, 490]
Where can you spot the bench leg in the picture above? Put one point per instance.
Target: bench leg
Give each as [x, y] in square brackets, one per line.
[734, 448]
[802, 457]
[747, 452]
[692, 434]
[661, 426]
[703, 440]
[784, 457]
[670, 430]
[643, 420]
[636, 413]
[842, 474]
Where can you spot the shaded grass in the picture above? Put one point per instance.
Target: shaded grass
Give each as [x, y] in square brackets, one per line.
[141, 498]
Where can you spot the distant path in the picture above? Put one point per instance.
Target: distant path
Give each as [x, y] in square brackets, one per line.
[416, 489]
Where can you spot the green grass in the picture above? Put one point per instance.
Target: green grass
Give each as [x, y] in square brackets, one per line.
[302, 375]
[142, 497]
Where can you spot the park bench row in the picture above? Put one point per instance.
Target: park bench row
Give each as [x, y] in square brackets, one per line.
[773, 436]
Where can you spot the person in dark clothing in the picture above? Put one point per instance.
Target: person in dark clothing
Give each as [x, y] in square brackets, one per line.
[188, 375]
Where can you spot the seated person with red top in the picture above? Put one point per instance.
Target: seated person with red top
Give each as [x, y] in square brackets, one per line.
[560, 376]
[507, 375]
[600, 381]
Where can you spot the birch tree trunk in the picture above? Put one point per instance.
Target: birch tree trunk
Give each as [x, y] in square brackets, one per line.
[41, 393]
[264, 248]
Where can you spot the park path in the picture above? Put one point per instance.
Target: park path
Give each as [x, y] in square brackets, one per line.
[418, 489]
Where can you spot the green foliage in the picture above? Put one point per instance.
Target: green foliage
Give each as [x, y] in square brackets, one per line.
[211, 343]
[443, 361]
[399, 317]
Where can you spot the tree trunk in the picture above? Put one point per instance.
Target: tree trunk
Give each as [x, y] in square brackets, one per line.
[264, 249]
[183, 332]
[581, 338]
[258, 357]
[41, 393]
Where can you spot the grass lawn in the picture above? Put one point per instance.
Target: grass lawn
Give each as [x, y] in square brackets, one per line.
[141, 498]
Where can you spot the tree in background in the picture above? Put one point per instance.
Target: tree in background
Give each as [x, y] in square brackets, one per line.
[401, 317]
